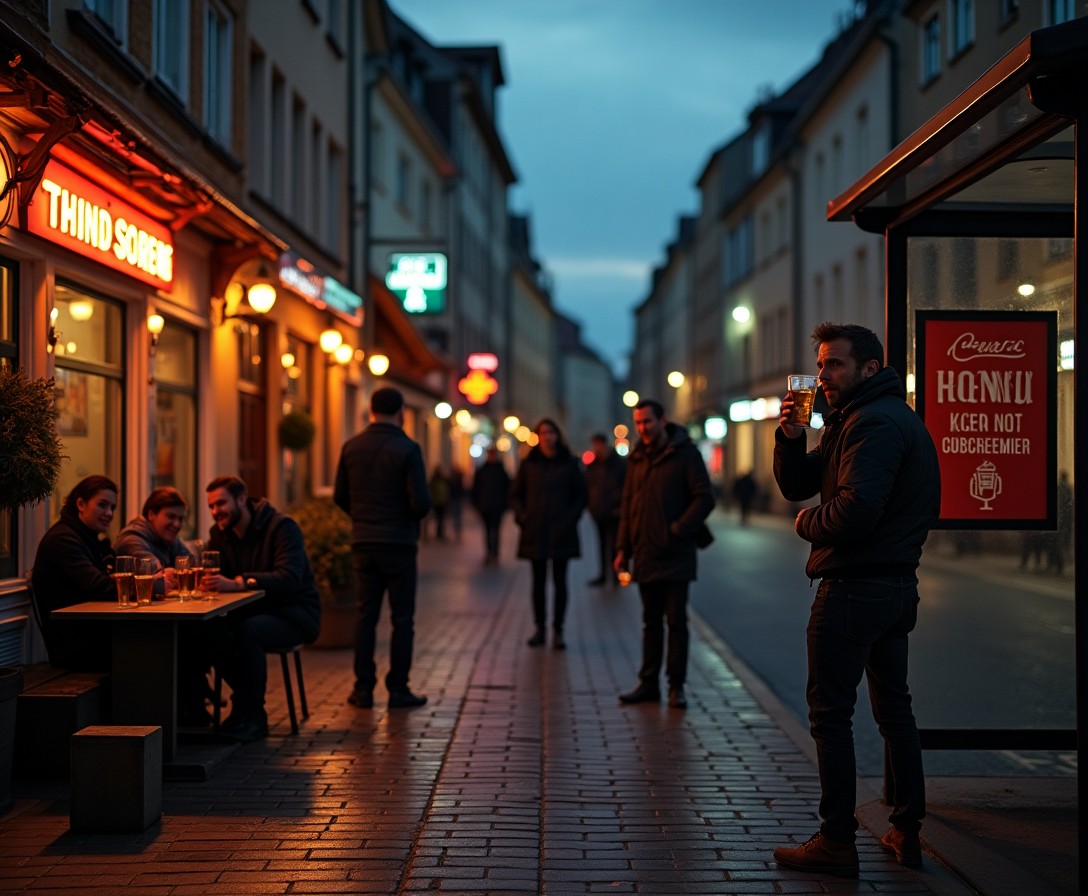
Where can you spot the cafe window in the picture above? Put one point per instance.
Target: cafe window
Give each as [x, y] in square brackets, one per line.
[9, 356]
[89, 373]
[175, 416]
[296, 399]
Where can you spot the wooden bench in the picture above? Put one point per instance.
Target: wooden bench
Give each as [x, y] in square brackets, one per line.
[54, 705]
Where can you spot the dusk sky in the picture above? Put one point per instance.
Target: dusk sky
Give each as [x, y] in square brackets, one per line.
[610, 111]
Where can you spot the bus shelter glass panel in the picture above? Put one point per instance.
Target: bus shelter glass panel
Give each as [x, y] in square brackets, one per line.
[999, 602]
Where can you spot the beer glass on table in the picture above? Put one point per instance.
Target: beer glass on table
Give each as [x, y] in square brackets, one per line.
[123, 574]
[183, 566]
[209, 587]
[145, 580]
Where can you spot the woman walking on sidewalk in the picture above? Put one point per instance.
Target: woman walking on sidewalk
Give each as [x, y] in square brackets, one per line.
[548, 497]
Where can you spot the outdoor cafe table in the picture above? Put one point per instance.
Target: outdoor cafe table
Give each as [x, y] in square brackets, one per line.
[144, 666]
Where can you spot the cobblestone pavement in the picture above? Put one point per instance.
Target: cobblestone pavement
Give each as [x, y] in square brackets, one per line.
[522, 774]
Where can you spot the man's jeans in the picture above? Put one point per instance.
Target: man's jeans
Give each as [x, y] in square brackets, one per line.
[860, 627]
[379, 569]
[664, 602]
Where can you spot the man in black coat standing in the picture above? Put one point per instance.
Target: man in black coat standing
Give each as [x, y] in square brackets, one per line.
[381, 484]
[666, 498]
[490, 490]
[876, 471]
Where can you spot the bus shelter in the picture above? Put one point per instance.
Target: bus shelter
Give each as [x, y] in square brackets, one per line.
[984, 212]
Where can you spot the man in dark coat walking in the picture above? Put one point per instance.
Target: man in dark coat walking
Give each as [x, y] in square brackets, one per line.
[666, 498]
[604, 485]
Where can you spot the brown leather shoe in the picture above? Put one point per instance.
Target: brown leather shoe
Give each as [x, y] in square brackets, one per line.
[905, 845]
[820, 855]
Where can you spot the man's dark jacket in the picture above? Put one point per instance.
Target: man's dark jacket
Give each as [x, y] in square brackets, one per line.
[272, 554]
[666, 497]
[604, 483]
[876, 471]
[381, 484]
[548, 496]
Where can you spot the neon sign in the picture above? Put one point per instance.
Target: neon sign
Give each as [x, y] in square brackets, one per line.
[419, 281]
[74, 213]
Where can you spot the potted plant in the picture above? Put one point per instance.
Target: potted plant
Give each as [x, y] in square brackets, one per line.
[326, 531]
[297, 430]
[30, 449]
[30, 458]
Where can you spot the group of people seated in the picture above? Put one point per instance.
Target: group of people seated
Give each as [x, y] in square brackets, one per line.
[260, 548]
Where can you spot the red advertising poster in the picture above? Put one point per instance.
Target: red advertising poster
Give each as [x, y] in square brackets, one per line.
[987, 391]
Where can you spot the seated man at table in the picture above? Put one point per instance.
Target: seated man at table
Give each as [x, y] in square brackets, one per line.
[156, 533]
[260, 548]
[73, 564]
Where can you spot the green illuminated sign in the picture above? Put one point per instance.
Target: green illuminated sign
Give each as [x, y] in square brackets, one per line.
[419, 281]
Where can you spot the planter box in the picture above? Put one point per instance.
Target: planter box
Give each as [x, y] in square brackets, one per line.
[337, 626]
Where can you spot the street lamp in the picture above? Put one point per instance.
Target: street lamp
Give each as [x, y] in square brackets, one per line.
[675, 379]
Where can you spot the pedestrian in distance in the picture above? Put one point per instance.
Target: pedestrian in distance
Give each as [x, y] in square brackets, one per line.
[260, 548]
[744, 490]
[604, 485]
[666, 498]
[381, 483]
[439, 487]
[875, 470]
[548, 496]
[490, 497]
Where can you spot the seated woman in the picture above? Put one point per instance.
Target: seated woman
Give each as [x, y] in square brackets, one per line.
[73, 564]
[154, 533]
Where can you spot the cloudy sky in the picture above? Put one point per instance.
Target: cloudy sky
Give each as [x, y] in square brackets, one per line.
[610, 111]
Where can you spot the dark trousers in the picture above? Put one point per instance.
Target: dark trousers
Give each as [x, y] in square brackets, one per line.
[664, 602]
[607, 527]
[559, 581]
[857, 628]
[379, 570]
[491, 533]
[244, 664]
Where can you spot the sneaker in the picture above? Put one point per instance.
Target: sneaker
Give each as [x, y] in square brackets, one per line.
[403, 698]
[820, 855]
[905, 845]
[362, 699]
[644, 693]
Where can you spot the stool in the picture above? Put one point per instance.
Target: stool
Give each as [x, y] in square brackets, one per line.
[116, 778]
[50, 712]
[283, 653]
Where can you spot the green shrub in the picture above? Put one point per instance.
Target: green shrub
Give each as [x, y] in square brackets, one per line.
[30, 449]
[326, 530]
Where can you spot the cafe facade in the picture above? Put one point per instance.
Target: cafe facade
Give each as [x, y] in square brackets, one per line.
[181, 328]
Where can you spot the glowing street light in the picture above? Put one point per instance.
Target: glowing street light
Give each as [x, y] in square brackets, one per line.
[630, 398]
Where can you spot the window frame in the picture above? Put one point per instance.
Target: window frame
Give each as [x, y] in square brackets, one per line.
[164, 28]
[218, 71]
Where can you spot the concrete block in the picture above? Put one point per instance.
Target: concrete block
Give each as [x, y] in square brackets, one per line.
[50, 713]
[116, 778]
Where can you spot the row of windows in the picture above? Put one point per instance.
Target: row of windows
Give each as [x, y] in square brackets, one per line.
[294, 164]
[961, 29]
[415, 199]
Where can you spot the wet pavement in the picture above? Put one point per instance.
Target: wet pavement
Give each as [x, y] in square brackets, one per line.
[523, 774]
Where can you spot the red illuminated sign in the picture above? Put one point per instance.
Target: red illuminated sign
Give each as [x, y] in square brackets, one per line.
[72, 212]
[987, 391]
[478, 386]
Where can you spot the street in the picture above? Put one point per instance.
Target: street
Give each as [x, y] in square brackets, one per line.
[993, 647]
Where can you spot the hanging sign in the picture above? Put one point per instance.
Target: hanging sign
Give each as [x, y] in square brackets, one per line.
[987, 391]
[73, 212]
[419, 281]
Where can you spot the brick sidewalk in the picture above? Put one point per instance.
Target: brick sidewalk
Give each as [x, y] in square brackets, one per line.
[522, 774]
